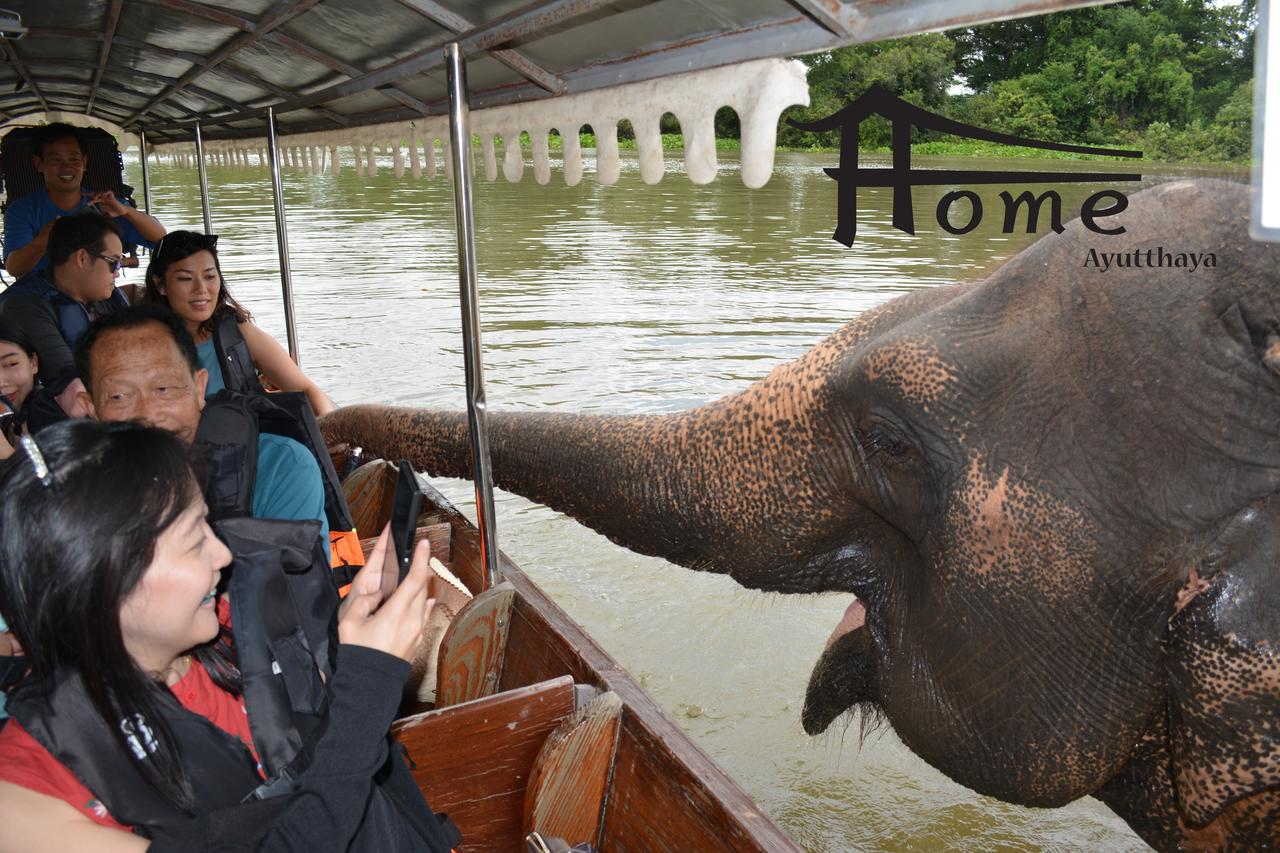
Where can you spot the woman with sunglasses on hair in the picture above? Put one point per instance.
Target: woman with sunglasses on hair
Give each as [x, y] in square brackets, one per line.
[150, 707]
[184, 274]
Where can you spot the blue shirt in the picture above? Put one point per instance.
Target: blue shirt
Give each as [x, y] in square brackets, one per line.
[25, 216]
[208, 355]
[288, 483]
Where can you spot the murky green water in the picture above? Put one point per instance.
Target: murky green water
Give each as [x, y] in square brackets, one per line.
[629, 299]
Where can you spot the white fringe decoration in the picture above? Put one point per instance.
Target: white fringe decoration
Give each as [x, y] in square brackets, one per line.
[758, 91]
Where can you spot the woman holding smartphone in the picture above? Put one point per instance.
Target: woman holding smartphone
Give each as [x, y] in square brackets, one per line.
[160, 732]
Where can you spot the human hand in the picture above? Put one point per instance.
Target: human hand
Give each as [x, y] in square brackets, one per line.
[395, 625]
[108, 204]
[72, 399]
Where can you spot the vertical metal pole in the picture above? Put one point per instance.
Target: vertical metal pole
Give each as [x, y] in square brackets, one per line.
[146, 176]
[282, 238]
[482, 468]
[204, 182]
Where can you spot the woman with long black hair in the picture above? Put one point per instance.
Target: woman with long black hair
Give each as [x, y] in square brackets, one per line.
[185, 276]
[142, 709]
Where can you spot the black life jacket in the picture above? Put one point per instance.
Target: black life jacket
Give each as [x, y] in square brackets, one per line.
[72, 316]
[238, 370]
[283, 617]
[227, 441]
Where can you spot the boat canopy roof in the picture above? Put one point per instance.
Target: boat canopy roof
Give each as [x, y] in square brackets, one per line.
[160, 65]
[363, 73]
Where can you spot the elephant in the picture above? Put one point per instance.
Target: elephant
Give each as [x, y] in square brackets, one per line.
[1053, 492]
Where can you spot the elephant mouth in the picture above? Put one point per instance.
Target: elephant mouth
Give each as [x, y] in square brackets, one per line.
[844, 675]
[855, 617]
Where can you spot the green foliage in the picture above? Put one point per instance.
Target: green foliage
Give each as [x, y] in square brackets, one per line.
[918, 69]
[1171, 76]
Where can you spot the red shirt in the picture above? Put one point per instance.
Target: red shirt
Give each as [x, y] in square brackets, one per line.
[23, 761]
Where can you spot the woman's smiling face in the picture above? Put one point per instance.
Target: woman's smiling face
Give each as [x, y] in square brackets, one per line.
[17, 373]
[171, 610]
[191, 287]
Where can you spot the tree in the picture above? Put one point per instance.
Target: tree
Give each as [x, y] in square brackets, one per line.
[919, 69]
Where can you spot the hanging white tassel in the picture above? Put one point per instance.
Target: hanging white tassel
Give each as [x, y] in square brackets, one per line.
[541, 156]
[648, 147]
[758, 91]
[512, 157]
[572, 147]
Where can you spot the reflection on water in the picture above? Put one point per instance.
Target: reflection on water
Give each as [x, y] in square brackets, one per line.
[631, 299]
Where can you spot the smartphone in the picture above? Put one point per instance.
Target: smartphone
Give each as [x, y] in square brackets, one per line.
[405, 508]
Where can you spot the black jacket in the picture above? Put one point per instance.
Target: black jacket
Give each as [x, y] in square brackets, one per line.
[336, 780]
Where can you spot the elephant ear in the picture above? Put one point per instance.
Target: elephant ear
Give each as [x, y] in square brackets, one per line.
[1224, 675]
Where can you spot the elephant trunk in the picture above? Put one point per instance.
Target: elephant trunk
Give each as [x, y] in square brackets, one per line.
[732, 487]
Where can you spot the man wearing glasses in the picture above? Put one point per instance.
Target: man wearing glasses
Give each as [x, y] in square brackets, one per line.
[58, 155]
[56, 307]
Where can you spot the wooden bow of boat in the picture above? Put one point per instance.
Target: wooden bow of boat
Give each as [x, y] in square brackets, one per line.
[562, 740]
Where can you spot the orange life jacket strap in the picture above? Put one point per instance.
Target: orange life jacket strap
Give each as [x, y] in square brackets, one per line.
[344, 549]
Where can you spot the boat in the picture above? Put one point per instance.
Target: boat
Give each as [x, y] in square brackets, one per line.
[534, 726]
[526, 674]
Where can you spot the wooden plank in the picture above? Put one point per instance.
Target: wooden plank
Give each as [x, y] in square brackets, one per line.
[695, 800]
[660, 800]
[474, 760]
[369, 492]
[440, 535]
[675, 797]
[537, 651]
[474, 646]
[566, 793]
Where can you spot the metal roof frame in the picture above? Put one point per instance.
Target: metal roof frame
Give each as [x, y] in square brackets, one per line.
[269, 51]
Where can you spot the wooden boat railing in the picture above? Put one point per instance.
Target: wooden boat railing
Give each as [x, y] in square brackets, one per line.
[649, 786]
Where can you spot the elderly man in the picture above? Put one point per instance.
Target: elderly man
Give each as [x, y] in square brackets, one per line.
[58, 155]
[140, 365]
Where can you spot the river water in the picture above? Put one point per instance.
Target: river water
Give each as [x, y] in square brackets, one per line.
[635, 299]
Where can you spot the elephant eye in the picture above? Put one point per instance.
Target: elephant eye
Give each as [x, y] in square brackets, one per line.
[879, 440]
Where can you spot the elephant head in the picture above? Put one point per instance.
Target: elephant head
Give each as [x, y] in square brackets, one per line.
[1053, 493]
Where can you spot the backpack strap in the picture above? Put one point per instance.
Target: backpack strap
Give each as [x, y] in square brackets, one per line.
[227, 444]
[228, 436]
[238, 370]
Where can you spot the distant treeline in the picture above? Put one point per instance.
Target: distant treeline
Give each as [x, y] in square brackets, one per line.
[1171, 77]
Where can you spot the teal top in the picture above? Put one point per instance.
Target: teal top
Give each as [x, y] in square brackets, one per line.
[208, 355]
[288, 483]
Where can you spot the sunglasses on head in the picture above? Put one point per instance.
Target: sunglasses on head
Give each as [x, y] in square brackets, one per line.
[184, 243]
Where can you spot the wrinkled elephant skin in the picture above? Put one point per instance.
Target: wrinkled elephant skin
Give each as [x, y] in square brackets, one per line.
[1052, 491]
